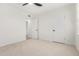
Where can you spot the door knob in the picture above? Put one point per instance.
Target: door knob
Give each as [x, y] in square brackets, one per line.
[53, 30]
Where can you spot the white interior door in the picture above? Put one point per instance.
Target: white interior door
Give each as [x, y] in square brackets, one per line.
[59, 29]
[34, 26]
[52, 29]
[45, 29]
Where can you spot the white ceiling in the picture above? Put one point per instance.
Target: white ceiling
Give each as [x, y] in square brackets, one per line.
[36, 10]
[33, 9]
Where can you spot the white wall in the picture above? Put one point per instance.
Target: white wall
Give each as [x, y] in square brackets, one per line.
[62, 20]
[77, 31]
[12, 25]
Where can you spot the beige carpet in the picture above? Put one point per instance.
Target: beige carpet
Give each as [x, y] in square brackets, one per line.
[38, 48]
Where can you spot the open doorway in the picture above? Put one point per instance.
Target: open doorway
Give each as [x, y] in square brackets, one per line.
[28, 29]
